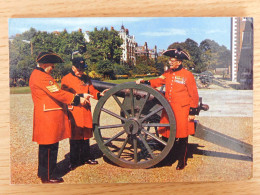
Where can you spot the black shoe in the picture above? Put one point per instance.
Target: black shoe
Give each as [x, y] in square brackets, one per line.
[91, 162]
[54, 180]
[181, 165]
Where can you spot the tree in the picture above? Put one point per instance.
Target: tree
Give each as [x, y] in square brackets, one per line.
[105, 68]
[120, 69]
[224, 57]
[177, 45]
[209, 55]
[25, 67]
[162, 61]
[21, 61]
[214, 55]
[145, 65]
[24, 49]
[208, 44]
[104, 45]
[195, 54]
[104, 52]
[27, 35]
[62, 43]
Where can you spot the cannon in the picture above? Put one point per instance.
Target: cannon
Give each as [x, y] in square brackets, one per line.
[128, 133]
[126, 121]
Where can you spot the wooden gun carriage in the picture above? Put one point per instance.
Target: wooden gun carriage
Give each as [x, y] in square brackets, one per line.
[126, 122]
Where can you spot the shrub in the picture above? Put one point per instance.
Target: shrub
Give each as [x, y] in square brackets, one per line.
[122, 76]
[120, 69]
[105, 67]
[94, 75]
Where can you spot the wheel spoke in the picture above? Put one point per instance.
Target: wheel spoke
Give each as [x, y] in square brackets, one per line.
[123, 147]
[152, 113]
[155, 137]
[132, 102]
[111, 126]
[113, 114]
[135, 149]
[147, 146]
[142, 107]
[148, 129]
[121, 106]
[156, 131]
[155, 125]
[114, 137]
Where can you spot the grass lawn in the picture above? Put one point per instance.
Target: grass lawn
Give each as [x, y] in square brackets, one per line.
[19, 90]
[25, 90]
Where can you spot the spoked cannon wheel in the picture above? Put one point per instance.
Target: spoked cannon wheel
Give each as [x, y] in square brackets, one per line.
[126, 123]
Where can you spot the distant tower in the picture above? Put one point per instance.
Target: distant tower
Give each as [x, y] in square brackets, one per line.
[153, 53]
[86, 36]
[242, 50]
[128, 46]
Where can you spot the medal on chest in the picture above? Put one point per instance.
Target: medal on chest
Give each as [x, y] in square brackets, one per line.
[178, 79]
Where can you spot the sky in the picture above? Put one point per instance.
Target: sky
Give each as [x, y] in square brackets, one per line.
[159, 31]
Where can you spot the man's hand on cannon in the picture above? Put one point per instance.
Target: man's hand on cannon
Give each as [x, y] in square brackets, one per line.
[139, 81]
[191, 117]
[103, 92]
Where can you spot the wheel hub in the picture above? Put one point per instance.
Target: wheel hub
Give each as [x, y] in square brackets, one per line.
[132, 127]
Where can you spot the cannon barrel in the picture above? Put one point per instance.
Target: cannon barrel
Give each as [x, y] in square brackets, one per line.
[100, 86]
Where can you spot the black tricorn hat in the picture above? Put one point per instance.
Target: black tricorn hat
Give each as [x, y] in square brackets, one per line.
[49, 57]
[177, 53]
[79, 63]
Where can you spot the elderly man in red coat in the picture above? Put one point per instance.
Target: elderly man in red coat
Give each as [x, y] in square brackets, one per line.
[77, 82]
[181, 92]
[50, 121]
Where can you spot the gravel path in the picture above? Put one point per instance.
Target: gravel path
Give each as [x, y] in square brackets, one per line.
[206, 161]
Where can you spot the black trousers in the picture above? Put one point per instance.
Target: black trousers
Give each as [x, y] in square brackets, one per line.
[178, 151]
[79, 151]
[181, 147]
[47, 157]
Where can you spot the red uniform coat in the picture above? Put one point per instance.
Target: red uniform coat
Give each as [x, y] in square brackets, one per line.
[50, 121]
[81, 115]
[181, 92]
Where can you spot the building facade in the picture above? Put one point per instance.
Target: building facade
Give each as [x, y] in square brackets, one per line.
[131, 50]
[142, 50]
[128, 47]
[242, 50]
